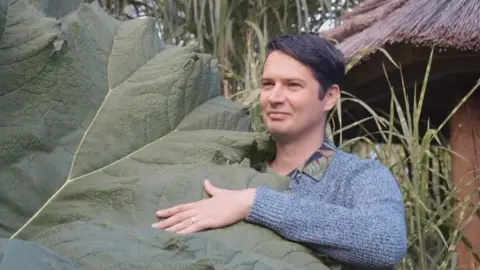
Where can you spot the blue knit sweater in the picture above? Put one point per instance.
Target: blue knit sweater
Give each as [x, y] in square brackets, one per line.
[354, 213]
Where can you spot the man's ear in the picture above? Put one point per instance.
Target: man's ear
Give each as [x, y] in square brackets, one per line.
[331, 97]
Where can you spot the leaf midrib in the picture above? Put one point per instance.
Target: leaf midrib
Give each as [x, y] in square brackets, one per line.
[69, 179]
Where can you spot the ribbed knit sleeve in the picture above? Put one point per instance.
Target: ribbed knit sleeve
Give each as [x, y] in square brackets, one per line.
[370, 234]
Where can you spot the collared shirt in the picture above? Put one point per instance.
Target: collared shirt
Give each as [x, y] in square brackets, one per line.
[318, 162]
[315, 166]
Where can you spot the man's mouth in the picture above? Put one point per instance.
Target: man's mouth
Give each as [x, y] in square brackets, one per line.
[277, 115]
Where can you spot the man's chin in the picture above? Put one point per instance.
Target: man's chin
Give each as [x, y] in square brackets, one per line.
[277, 131]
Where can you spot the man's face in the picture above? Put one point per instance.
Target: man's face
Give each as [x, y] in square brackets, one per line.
[290, 97]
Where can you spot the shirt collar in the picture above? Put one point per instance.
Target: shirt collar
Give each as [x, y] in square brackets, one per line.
[318, 162]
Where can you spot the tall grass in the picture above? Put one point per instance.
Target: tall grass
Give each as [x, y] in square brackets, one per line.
[236, 32]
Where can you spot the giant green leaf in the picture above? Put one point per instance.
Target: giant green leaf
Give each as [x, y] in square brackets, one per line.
[18, 254]
[58, 8]
[102, 125]
[3, 15]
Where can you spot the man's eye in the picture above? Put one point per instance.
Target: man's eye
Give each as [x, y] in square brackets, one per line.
[294, 84]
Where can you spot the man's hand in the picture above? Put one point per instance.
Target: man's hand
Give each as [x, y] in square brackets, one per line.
[225, 207]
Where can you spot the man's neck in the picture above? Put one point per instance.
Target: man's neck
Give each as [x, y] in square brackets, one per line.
[292, 154]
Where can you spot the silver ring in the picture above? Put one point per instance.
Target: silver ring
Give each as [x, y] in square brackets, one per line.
[192, 219]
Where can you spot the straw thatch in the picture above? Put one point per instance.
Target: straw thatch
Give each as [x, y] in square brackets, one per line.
[407, 29]
[444, 23]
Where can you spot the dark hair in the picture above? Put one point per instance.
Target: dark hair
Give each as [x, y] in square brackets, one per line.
[326, 62]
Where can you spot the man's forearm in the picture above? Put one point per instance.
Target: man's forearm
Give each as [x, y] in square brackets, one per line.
[372, 237]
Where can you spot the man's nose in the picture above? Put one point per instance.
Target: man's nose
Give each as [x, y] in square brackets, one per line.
[277, 94]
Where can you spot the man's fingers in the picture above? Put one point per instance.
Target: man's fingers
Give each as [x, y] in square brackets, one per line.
[171, 221]
[199, 225]
[174, 210]
[211, 189]
[188, 222]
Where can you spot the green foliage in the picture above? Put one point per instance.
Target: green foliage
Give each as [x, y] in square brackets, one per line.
[3, 15]
[33, 257]
[109, 128]
[234, 31]
[56, 8]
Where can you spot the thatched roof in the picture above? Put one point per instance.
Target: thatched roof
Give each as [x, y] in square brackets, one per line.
[444, 23]
[407, 29]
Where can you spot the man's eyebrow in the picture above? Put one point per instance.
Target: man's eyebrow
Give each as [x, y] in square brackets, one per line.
[283, 79]
[296, 79]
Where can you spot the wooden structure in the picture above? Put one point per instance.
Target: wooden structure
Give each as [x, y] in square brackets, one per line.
[407, 29]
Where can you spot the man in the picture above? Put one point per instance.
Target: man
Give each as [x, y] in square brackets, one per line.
[348, 208]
